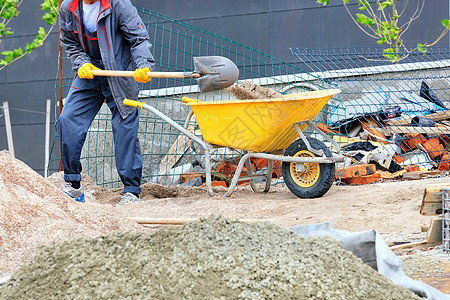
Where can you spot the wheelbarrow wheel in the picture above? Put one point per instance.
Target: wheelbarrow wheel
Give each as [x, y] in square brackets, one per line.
[315, 179]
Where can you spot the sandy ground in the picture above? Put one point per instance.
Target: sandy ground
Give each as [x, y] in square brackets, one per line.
[387, 207]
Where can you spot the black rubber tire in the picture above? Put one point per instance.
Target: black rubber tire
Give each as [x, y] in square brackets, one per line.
[326, 175]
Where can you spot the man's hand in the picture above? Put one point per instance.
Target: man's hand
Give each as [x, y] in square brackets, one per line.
[140, 75]
[85, 71]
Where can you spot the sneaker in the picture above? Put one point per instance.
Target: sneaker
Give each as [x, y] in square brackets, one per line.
[128, 198]
[77, 194]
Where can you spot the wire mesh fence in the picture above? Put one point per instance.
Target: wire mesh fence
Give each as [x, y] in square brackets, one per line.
[445, 219]
[171, 158]
[402, 107]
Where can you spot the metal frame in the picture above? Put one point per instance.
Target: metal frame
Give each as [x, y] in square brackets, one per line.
[248, 155]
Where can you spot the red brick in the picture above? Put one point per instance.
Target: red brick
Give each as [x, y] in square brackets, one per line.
[433, 147]
[356, 171]
[363, 179]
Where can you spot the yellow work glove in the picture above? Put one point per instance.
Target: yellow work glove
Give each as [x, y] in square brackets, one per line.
[85, 71]
[140, 75]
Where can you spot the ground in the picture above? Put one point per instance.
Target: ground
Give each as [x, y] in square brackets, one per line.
[391, 208]
[386, 207]
[36, 212]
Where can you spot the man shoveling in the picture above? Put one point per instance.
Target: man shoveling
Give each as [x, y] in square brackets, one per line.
[103, 34]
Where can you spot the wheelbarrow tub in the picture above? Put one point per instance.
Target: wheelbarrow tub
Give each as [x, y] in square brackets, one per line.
[262, 125]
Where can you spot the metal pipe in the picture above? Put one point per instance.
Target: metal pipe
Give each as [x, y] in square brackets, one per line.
[191, 136]
[47, 137]
[9, 136]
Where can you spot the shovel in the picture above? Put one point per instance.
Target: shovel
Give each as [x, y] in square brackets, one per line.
[211, 72]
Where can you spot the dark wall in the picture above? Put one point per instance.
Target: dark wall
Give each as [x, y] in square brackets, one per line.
[271, 26]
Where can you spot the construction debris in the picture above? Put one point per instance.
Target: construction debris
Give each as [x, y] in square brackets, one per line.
[213, 258]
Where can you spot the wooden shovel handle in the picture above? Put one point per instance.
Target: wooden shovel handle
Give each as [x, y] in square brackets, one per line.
[149, 74]
[181, 221]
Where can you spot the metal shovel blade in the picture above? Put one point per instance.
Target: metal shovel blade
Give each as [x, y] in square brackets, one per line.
[217, 72]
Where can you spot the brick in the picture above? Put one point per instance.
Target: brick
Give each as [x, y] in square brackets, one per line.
[216, 183]
[444, 164]
[324, 127]
[363, 179]
[356, 171]
[192, 175]
[433, 147]
[370, 126]
[412, 168]
[413, 140]
[399, 159]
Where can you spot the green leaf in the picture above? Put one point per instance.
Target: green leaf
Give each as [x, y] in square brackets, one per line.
[324, 2]
[384, 4]
[446, 23]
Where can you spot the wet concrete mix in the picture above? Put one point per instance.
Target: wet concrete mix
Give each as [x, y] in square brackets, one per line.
[213, 258]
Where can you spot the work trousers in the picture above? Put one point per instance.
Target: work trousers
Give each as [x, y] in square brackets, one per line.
[84, 100]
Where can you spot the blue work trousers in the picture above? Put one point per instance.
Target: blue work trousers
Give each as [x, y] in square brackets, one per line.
[84, 100]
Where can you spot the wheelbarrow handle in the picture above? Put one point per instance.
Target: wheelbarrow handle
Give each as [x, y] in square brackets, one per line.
[188, 100]
[134, 103]
[140, 105]
[149, 74]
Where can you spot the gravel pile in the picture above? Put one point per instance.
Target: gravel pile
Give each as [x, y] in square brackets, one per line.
[34, 212]
[212, 258]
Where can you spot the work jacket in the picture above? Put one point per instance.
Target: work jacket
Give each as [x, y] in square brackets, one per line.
[123, 42]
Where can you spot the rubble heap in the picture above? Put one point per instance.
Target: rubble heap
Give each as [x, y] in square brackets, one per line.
[212, 258]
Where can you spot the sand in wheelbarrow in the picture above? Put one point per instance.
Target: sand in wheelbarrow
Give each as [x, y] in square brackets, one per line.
[213, 258]
[250, 90]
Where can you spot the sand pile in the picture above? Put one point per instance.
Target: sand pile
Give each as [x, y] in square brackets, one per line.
[212, 258]
[249, 90]
[34, 212]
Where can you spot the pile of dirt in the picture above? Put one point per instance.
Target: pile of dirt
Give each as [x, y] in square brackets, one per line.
[34, 212]
[97, 194]
[249, 90]
[213, 258]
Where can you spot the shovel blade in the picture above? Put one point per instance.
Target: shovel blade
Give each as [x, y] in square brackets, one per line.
[217, 73]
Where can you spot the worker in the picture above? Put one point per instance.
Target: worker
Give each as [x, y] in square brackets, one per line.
[103, 34]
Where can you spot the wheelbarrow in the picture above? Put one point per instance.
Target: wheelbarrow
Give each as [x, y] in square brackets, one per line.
[270, 129]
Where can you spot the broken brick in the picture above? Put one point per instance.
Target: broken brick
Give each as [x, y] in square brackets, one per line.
[356, 171]
[444, 164]
[412, 168]
[363, 179]
[433, 147]
[216, 183]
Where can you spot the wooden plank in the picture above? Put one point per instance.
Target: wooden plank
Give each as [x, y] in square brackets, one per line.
[434, 233]
[432, 199]
[408, 245]
[181, 221]
[439, 116]
[421, 130]
[177, 150]
[416, 175]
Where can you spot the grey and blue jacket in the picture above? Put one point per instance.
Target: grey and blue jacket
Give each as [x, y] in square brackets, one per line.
[123, 41]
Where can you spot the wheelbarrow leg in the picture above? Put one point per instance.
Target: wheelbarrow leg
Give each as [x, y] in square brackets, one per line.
[268, 176]
[237, 174]
[192, 136]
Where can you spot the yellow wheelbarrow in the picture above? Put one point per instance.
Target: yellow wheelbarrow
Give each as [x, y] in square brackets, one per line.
[267, 129]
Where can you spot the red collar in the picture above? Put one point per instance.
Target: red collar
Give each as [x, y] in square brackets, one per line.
[74, 5]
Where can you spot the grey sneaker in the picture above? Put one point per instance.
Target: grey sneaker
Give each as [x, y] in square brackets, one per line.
[128, 198]
[77, 194]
